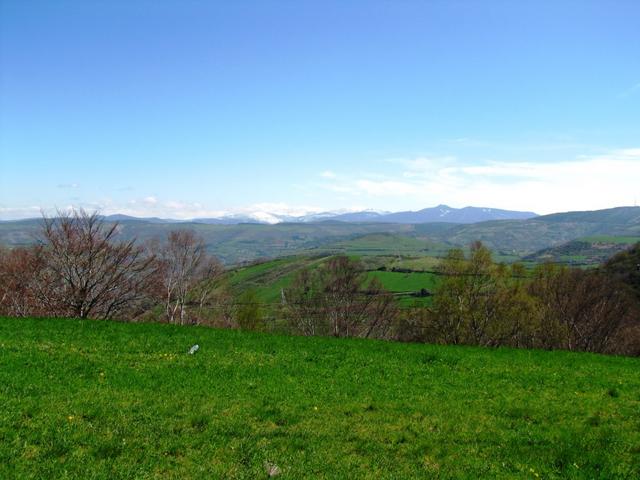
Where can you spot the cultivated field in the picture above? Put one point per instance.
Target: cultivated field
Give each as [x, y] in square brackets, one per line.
[269, 278]
[90, 399]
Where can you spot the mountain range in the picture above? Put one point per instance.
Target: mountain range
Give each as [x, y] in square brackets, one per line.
[599, 233]
[440, 213]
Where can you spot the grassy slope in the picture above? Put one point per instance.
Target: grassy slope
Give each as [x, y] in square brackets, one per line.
[268, 278]
[588, 251]
[405, 282]
[526, 237]
[231, 243]
[110, 400]
[389, 244]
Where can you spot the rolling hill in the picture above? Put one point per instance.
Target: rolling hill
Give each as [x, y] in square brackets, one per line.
[584, 251]
[525, 237]
[401, 276]
[510, 239]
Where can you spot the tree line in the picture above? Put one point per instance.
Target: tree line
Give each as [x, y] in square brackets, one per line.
[81, 267]
[484, 303]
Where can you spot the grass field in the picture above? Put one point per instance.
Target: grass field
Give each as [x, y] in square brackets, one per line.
[612, 239]
[88, 399]
[269, 278]
[403, 284]
[389, 244]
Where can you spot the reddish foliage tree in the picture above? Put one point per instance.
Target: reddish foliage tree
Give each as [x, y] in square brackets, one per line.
[20, 269]
[88, 272]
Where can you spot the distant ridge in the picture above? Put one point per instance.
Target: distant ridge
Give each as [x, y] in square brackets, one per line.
[437, 214]
[118, 217]
[617, 215]
[440, 213]
[444, 213]
[234, 241]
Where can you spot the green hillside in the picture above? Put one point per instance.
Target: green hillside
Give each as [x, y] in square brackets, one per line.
[389, 244]
[592, 250]
[509, 239]
[522, 238]
[231, 243]
[614, 216]
[90, 399]
[406, 282]
[267, 279]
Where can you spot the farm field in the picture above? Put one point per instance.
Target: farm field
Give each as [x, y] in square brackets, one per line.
[389, 244]
[269, 278]
[403, 285]
[91, 399]
[404, 282]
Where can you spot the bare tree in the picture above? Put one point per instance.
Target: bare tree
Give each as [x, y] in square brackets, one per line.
[587, 308]
[480, 302]
[381, 311]
[88, 272]
[210, 269]
[463, 307]
[337, 299]
[19, 271]
[185, 265]
[341, 280]
[301, 304]
[224, 307]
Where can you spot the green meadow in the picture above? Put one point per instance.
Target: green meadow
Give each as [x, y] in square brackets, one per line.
[109, 400]
[268, 279]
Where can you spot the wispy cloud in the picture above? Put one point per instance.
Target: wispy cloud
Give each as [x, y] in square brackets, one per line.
[586, 182]
[14, 213]
[579, 183]
[68, 185]
[328, 174]
[386, 188]
[630, 91]
[151, 206]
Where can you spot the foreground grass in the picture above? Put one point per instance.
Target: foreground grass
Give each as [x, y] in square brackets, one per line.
[87, 399]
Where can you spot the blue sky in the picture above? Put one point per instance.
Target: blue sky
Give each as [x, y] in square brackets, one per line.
[196, 108]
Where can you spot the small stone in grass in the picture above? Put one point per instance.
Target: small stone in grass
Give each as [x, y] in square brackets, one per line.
[272, 469]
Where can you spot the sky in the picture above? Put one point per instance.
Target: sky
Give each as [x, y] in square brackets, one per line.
[184, 109]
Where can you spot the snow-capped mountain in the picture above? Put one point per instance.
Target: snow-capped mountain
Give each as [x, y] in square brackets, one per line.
[440, 213]
[444, 213]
